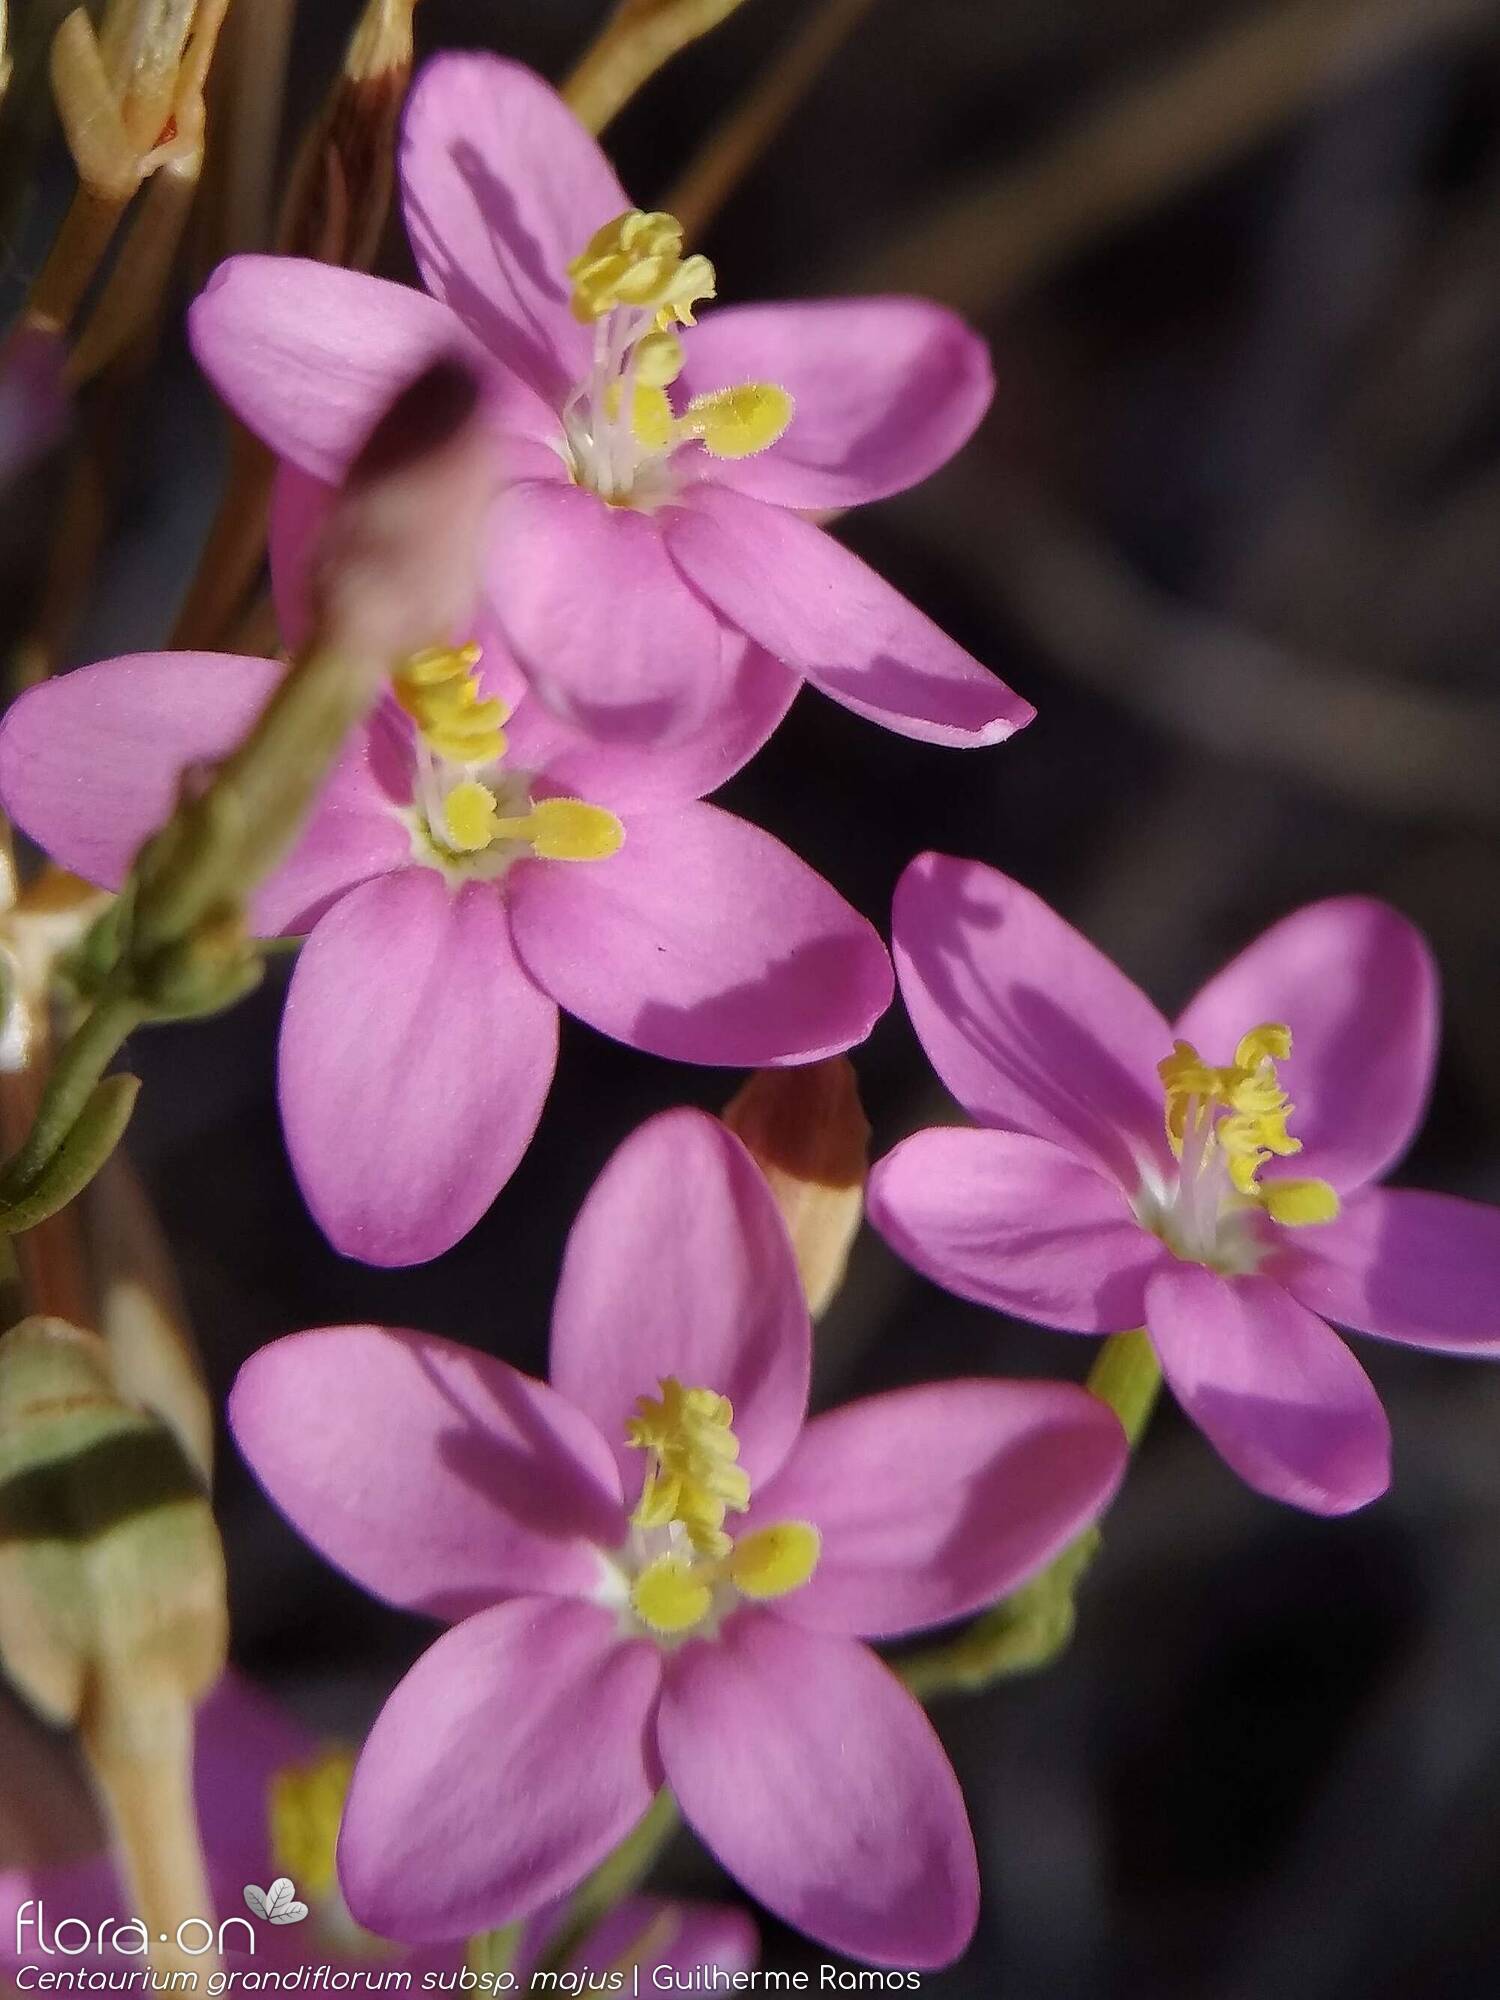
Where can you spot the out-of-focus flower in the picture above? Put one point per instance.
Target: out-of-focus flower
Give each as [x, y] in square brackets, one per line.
[657, 1570]
[472, 867]
[270, 1798]
[1129, 1179]
[657, 473]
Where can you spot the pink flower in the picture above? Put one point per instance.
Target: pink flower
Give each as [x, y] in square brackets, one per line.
[658, 1571]
[270, 1798]
[469, 870]
[1133, 1173]
[633, 530]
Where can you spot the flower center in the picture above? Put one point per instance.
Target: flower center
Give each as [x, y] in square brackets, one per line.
[633, 285]
[687, 1568]
[1223, 1125]
[470, 816]
[305, 1807]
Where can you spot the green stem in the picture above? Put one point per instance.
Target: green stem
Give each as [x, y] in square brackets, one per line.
[618, 1875]
[80, 1063]
[494, 1951]
[1031, 1627]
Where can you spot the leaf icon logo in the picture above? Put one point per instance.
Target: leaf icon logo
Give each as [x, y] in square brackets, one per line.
[276, 1905]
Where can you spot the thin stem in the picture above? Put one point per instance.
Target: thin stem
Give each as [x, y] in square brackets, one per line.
[618, 1875]
[81, 1062]
[1031, 1627]
[637, 39]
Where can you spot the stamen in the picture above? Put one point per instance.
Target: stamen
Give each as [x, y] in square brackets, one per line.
[564, 830]
[692, 1478]
[305, 1806]
[671, 1595]
[1242, 1111]
[772, 1561]
[439, 690]
[739, 422]
[637, 261]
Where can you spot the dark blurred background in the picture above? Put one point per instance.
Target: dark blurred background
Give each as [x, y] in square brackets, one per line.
[1233, 526]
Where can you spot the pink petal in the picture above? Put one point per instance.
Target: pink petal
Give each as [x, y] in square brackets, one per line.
[1029, 1025]
[679, 1264]
[502, 188]
[817, 1781]
[90, 763]
[705, 940]
[933, 1502]
[1356, 984]
[604, 627]
[1274, 1390]
[353, 833]
[1423, 1269]
[415, 1059]
[662, 1936]
[1015, 1223]
[308, 355]
[820, 609]
[436, 1477]
[885, 391]
[511, 1759]
[758, 691]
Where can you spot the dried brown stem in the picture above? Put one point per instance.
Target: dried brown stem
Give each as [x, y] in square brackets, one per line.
[637, 40]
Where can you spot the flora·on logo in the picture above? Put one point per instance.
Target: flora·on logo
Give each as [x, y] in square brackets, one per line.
[71, 1937]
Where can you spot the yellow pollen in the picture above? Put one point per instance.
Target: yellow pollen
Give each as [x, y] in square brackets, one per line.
[671, 1595]
[565, 830]
[469, 816]
[1242, 1108]
[658, 360]
[739, 422]
[439, 690]
[769, 1562]
[692, 1478]
[651, 420]
[636, 261]
[305, 1806]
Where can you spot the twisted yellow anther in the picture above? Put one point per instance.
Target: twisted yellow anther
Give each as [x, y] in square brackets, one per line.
[439, 690]
[1242, 1108]
[637, 261]
[305, 1807]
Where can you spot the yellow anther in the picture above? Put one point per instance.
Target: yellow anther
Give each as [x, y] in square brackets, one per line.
[439, 690]
[651, 417]
[564, 830]
[772, 1561]
[305, 1806]
[671, 1595]
[1243, 1109]
[738, 422]
[658, 360]
[1296, 1204]
[469, 817]
[692, 1478]
[637, 261]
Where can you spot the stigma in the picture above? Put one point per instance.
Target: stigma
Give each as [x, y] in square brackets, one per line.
[633, 285]
[470, 816]
[688, 1569]
[1225, 1124]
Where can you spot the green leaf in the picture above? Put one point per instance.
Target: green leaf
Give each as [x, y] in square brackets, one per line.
[94, 1135]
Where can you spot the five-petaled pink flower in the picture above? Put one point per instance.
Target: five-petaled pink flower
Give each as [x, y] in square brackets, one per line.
[1140, 1173]
[656, 473]
[661, 1572]
[469, 870]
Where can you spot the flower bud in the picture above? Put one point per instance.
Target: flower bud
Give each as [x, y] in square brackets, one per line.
[112, 1600]
[807, 1132]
